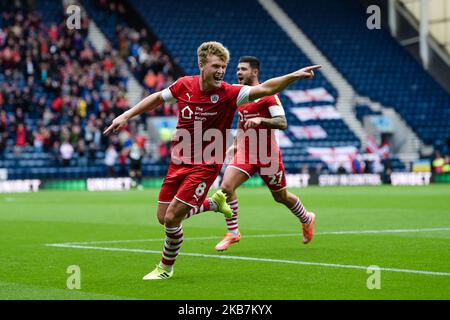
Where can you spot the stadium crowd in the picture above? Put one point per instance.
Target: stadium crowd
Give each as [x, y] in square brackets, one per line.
[57, 94]
[146, 59]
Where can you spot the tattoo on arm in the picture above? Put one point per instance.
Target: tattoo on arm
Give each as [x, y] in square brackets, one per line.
[278, 122]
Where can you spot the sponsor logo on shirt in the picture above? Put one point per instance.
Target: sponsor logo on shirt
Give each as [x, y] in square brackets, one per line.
[186, 113]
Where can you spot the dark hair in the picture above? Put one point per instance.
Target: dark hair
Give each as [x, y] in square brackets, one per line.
[253, 61]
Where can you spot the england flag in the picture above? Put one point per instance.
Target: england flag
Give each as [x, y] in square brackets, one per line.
[316, 94]
[335, 157]
[308, 132]
[316, 113]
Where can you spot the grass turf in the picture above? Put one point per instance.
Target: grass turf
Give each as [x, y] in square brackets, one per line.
[31, 270]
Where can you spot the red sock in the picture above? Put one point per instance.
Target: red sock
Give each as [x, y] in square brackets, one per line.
[172, 245]
[206, 206]
[232, 223]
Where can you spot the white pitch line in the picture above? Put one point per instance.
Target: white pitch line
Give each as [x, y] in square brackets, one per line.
[274, 235]
[331, 265]
[386, 231]
[139, 240]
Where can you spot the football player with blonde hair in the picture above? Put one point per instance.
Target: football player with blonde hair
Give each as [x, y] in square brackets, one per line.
[205, 101]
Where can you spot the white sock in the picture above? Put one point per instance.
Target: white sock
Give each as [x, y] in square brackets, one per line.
[165, 267]
[212, 205]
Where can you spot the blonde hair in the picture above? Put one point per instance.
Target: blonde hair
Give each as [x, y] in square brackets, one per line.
[212, 48]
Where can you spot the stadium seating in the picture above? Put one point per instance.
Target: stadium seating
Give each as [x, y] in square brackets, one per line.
[50, 11]
[362, 110]
[106, 20]
[375, 64]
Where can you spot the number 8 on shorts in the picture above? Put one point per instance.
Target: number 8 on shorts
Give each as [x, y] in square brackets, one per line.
[200, 189]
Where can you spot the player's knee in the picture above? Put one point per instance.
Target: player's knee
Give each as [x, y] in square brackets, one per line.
[169, 218]
[280, 197]
[161, 219]
[227, 189]
[172, 218]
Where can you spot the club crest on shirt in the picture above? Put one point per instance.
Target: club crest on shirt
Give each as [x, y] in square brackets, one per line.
[214, 98]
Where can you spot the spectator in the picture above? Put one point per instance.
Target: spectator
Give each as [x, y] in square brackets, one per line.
[40, 108]
[446, 166]
[386, 165]
[55, 153]
[135, 156]
[438, 163]
[123, 156]
[81, 108]
[89, 131]
[38, 141]
[2, 142]
[3, 121]
[92, 153]
[75, 134]
[20, 135]
[66, 151]
[47, 140]
[386, 176]
[319, 169]
[57, 104]
[368, 166]
[82, 153]
[304, 169]
[377, 165]
[110, 159]
[356, 164]
[164, 153]
[150, 81]
[341, 169]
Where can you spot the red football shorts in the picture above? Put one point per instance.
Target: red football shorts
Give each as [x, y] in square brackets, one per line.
[188, 183]
[275, 181]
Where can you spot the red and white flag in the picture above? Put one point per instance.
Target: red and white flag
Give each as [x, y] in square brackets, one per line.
[316, 94]
[335, 157]
[283, 140]
[349, 150]
[316, 113]
[308, 132]
[373, 147]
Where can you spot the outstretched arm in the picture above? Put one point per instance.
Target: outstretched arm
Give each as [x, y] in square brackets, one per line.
[147, 104]
[278, 84]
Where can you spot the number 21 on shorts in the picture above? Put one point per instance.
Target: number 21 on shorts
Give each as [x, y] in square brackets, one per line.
[276, 178]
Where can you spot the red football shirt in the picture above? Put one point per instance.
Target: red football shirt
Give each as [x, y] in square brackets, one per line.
[203, 119]
[266, 107]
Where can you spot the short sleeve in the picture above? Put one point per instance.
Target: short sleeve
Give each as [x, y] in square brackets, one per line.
[242, 97]
[168, 96]
[275, 107]
[171, 93]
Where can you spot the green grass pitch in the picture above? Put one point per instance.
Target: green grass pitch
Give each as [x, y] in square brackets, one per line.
[270, 262]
